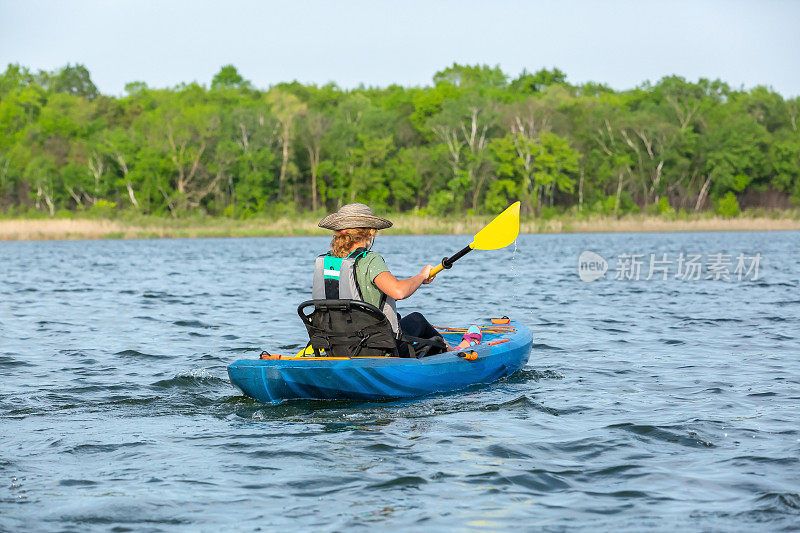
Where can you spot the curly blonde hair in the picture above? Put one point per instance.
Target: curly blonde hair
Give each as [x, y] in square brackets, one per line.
[343, 240]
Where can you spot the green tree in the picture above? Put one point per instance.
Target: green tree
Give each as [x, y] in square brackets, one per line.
[463, 127]
[728, 205]
[229, 78]
[475, 76]
[312, 131]
[72, 79]
[533, 83]
[286, 107]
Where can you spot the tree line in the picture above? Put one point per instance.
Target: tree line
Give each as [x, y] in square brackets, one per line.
[471, 142]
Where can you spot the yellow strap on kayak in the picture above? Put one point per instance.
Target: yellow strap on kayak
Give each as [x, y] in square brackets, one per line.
[484, 329]
[307, 351]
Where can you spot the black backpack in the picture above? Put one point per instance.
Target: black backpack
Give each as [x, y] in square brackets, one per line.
[352, 328]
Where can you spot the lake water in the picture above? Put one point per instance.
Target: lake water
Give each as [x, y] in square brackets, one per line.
[649, 404]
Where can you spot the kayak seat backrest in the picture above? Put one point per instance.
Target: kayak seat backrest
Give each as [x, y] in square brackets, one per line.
[347, 328]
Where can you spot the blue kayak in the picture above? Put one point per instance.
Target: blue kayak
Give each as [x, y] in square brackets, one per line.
[504, 350]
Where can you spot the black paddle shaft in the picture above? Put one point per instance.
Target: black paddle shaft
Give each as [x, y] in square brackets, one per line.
[447, 262]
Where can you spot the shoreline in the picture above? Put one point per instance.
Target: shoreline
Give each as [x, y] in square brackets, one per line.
[155, 228]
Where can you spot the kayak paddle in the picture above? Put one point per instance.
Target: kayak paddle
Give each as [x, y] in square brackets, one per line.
[499, 233]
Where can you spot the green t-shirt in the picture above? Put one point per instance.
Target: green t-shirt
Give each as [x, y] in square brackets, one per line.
[368, 268]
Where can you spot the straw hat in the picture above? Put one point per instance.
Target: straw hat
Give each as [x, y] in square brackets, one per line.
[353, 216]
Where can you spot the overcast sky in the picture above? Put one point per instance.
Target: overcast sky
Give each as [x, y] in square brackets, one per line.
[621, 43]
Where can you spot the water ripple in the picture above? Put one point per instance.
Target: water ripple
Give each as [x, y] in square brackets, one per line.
[647, 405]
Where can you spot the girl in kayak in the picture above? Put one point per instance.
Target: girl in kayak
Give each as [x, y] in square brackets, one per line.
[355, 228]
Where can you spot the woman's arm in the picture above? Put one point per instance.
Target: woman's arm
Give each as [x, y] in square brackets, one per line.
[400, 289]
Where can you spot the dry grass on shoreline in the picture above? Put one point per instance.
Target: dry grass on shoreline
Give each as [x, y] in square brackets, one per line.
[153, 227]
[656, 224]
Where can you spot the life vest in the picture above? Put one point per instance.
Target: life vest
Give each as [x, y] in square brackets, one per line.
[335, 278]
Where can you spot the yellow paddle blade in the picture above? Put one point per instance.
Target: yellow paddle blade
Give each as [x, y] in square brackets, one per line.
[500, 232]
